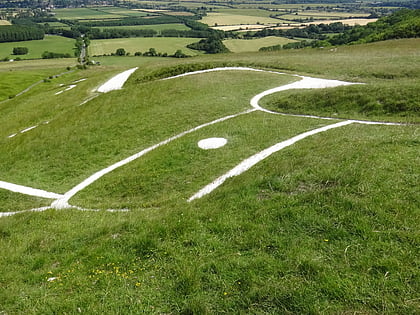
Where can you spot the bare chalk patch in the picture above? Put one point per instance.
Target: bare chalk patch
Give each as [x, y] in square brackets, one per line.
[212, 143]
[116, 82]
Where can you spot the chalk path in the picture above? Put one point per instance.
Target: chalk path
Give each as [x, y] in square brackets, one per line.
[117, 82]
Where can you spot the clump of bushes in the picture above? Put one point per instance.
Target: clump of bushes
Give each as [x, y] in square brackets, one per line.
[51, 55]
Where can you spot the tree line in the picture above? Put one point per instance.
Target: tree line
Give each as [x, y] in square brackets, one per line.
[404, 23]
[311, 31]
[16, 33]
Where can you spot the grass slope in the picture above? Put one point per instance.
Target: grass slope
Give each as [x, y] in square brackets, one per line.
[328, 225]
[50, 163]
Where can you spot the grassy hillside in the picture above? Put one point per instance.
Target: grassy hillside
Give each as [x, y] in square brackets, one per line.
[401, 24]
[327, 225]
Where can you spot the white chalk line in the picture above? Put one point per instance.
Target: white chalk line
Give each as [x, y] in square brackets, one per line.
[223, 69]
[256, 158]
[63, 201]
[113, 84]
[27, 129]
[312, 82]
[29, 190]
[42, 209]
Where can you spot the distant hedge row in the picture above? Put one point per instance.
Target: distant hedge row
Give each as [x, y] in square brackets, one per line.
[16, 33]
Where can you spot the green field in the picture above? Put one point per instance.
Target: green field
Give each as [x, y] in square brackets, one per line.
[122, 11]
[242, 45]
[57, 24]
[50, 43]
[164, 45]
[156, 27]
[321, 16]
[18, 76]
[84, 14]
[328, 225]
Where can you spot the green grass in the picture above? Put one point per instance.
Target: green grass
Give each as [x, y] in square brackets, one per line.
[307, 231]
[57, 44]
[167, 45]
[57, 25]
[60, 166]
[242, 45]
[326, 226]
[156, 27]
[398, 102]
[171, 173]
[84, 14]
[14, 82]
[17, 76]
[121, 11]
[9, 200]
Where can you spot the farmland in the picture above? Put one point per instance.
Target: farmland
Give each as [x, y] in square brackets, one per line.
[215, 19]
[84, 14]
[238, 45]
[51, 43]
[132, 45]
[156, 27]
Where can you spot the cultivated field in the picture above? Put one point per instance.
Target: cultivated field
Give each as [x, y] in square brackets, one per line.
[84, 14]
[325, 224]
[242, 45]
[164, 45]
[228, 18]
[156, 27]
[4, 22]
[57, 44]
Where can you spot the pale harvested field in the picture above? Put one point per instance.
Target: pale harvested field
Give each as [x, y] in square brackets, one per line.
[350, 22]
[215, 19]
[4, 22]
[285, 26]
[254, 27]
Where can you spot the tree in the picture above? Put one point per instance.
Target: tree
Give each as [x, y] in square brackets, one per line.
[120, 52]
[20, 50]
[179, 54]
